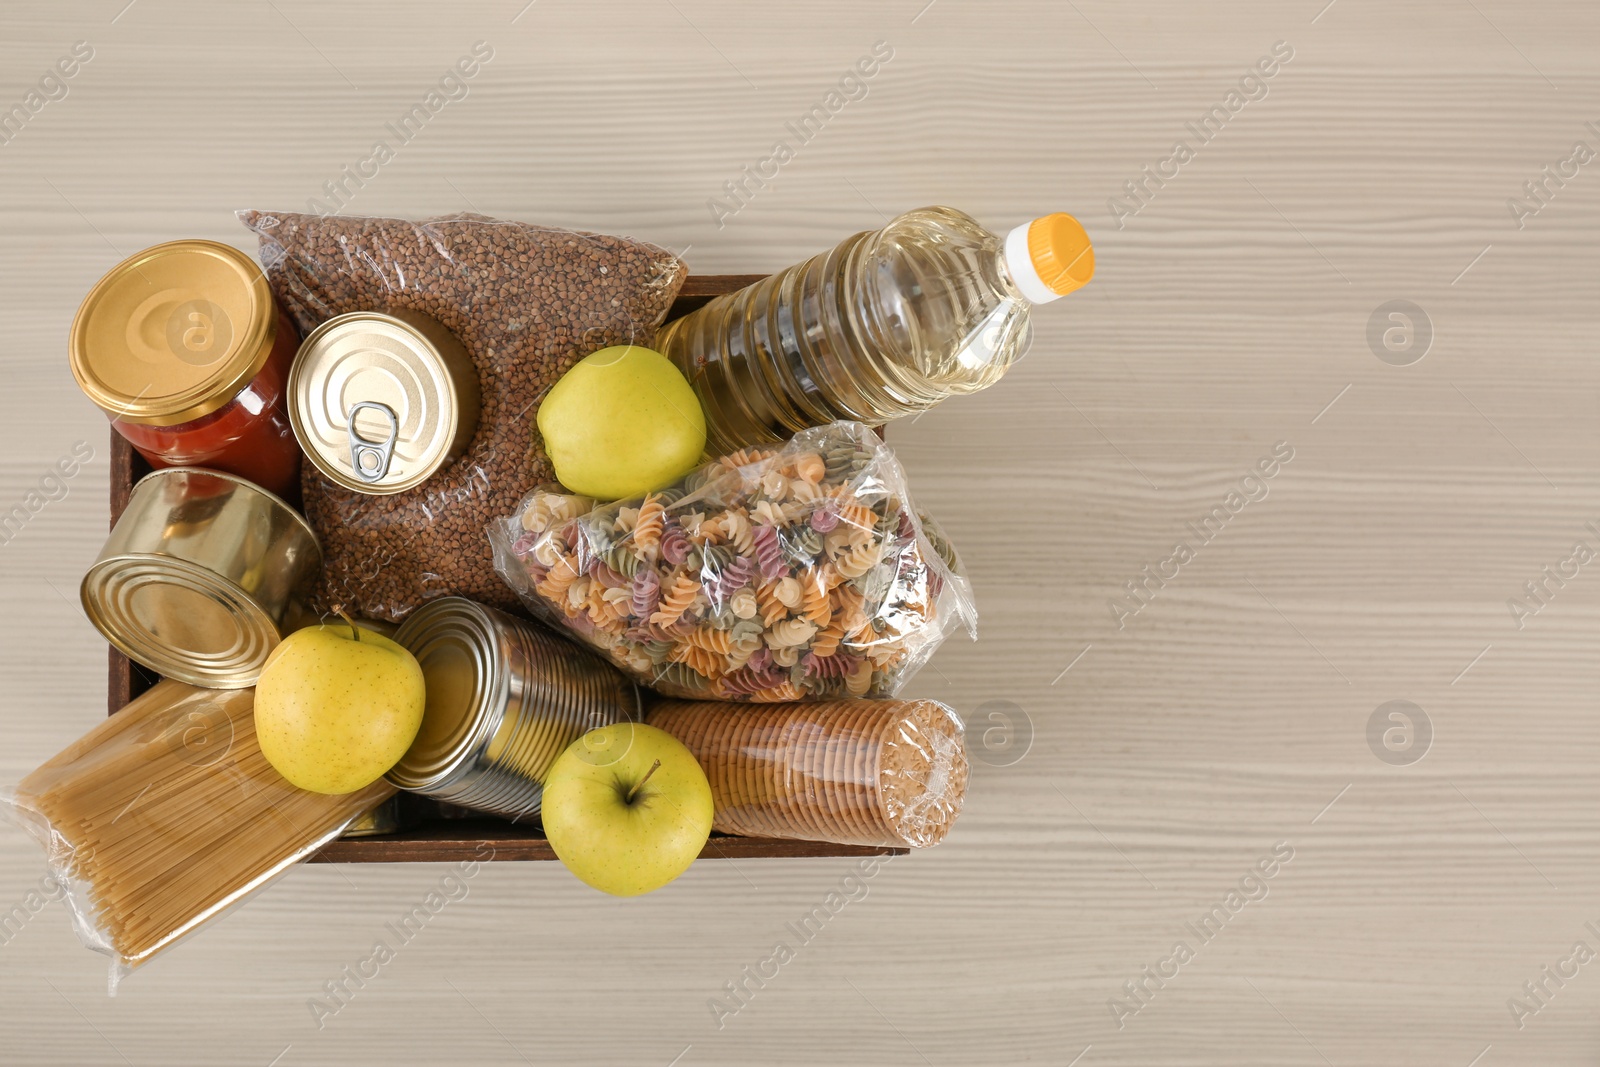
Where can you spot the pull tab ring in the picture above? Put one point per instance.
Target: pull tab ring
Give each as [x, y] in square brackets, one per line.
[379, 452]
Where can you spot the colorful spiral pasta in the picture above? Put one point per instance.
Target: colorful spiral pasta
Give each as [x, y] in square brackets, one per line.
[764, 575]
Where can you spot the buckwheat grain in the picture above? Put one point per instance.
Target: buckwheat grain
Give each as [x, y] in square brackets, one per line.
[527, 302]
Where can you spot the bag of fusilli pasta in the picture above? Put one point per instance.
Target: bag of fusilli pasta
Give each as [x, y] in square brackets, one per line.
[804, 573]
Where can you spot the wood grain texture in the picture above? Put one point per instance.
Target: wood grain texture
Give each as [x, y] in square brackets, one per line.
[1169, 755]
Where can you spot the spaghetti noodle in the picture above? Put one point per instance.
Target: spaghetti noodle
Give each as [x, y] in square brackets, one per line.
[166, 814]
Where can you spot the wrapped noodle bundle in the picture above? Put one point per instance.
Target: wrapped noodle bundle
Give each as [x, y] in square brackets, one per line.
[166, 814]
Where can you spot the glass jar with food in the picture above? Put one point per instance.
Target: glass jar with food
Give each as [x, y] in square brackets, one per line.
[183, 348]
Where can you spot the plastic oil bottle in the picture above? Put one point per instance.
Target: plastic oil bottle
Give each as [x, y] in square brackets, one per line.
[887, 324]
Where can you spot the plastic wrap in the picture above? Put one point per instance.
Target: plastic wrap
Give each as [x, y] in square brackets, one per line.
[166, 814]
[764, 576]
[855, 772]
[526, 302]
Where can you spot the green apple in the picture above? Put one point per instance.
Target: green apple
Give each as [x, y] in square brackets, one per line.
[337, 706]
[621, 423]
[627, 808]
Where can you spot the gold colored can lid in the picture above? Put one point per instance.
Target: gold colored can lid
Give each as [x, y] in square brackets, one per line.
[505, 699]
[173, 333]
[467, 681]
[380, 402]
[197, 576]
[383, 819]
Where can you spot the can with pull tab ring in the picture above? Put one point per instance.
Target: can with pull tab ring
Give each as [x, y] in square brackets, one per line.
[380, 402]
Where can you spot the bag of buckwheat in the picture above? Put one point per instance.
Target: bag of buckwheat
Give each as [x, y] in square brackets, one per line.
[526, 302]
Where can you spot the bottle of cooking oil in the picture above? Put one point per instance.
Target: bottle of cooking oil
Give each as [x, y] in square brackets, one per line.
[887, 324]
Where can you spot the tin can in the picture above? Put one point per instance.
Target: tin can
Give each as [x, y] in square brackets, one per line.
[505, 698]
[383, 819]
[183, 348]
[380, 402]
[197, 575]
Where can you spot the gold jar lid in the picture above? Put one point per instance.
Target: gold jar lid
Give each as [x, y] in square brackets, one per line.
[380, 402]
[173, 333]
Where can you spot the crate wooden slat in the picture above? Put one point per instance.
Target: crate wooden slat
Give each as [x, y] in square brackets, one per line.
[445, 842]
[435, 838]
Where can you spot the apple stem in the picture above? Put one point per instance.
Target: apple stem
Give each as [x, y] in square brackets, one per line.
[355, 631]
[640, 784]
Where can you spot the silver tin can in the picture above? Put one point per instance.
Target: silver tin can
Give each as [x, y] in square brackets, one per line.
[505, 698]
[381, 402]
[383, 819]
[197, 576]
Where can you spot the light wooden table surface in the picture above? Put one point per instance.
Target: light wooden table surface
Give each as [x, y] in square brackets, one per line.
[1228, 717]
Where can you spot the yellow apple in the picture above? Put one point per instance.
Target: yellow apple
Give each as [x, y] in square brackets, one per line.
[337, 706]
[627, 808]
[621, 423]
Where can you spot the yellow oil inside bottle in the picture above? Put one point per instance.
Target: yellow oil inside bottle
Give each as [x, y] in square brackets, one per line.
[887, 324]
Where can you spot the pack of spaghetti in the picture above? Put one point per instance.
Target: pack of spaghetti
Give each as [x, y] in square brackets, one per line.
[166, 814]
[767, 575]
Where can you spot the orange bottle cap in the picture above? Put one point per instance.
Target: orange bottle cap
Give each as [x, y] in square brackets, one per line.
[1049, 257]
[1061, 253]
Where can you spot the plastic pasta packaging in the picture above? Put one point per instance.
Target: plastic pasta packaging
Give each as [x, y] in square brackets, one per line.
[526, 302]
[166, 814]
[855, 772]
[764, 576]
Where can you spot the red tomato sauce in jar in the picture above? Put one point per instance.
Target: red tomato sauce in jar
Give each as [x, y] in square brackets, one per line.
[183, 349]
[250, 435]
